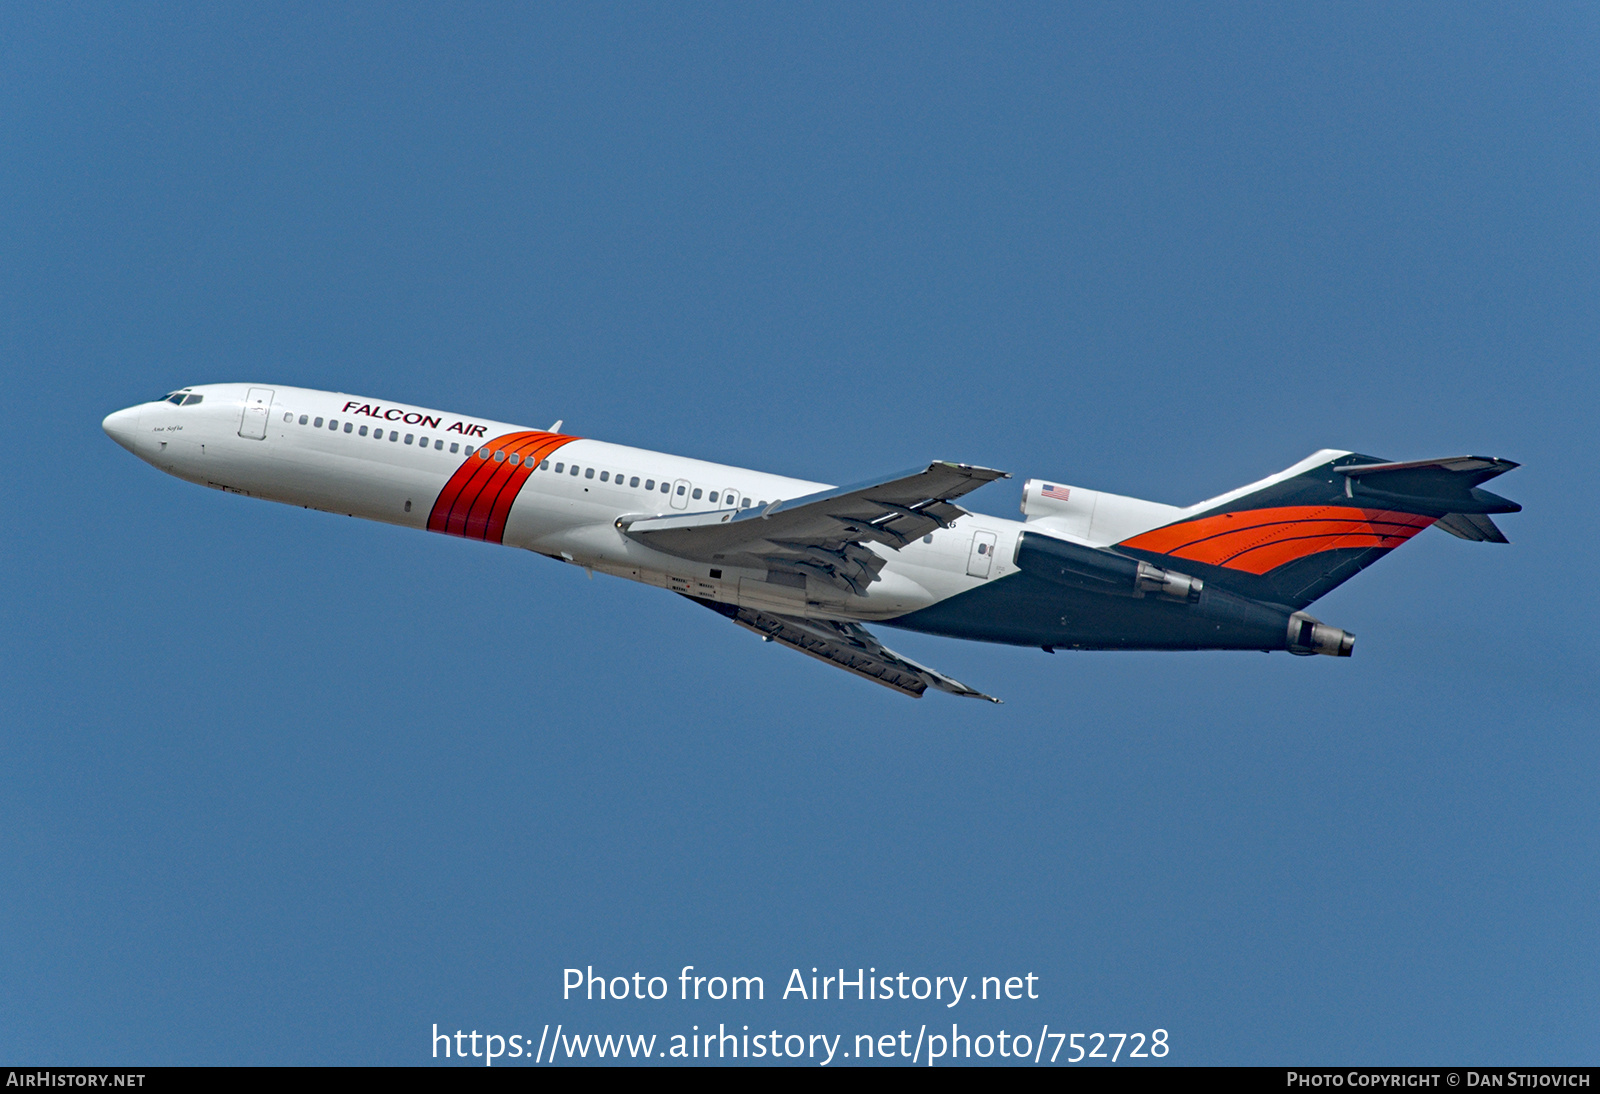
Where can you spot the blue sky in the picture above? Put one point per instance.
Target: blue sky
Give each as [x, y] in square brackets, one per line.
[281, 787]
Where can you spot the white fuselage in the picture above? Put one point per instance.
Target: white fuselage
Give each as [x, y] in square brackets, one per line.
[366, 458]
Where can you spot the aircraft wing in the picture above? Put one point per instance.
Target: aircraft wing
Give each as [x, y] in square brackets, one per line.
[823, 534]
[849, 646]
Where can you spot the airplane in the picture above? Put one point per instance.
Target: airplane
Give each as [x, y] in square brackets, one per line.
[808, 565]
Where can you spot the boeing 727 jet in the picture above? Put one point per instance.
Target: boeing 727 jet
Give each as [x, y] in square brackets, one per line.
[808, 565]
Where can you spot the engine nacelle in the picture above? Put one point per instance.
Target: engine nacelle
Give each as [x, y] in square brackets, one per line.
[1168, 583]
[1097, 570]
[1308, 636]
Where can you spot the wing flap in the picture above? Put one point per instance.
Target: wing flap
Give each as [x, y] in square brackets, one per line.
[848, 646]
[826, 532]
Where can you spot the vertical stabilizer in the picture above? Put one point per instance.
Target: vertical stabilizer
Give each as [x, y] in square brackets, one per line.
[1294, 536]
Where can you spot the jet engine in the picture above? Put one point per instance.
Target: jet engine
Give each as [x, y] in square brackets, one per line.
[1308, 636]
[1101, 571]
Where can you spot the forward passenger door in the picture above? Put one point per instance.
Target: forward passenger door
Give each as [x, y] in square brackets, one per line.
[253, 422]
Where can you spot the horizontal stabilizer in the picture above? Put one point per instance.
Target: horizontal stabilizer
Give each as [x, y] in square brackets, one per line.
[1473, 526]
[1431, 486]
[1481, 468]
[848, 646]
[1296, 535]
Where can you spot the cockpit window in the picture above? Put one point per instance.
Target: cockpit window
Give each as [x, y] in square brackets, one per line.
[173, 397]
[192, 400]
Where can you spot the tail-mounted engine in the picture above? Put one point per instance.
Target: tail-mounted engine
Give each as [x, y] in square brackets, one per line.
[1308, 636]
[1097, 570]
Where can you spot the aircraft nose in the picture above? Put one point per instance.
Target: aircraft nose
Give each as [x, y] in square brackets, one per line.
[122, 426]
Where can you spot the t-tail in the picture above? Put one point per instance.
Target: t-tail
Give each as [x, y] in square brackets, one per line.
[1291, 538]
[1243, 566]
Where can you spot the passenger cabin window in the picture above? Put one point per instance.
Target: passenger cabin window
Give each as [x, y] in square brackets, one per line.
[695, 495]
[574, 470]
[302, 419]
[438, 446]
[423, 442]
[634, 481]
[649, 484]
[454, 445]
[499, 456]
[560, 467]
[666, 488]
[394, 435]
[410, 437]
[515, 459]
[545, 466]
[333, 425]
[363, 430]
[469, 449]
[605, 476]
[711, 496]
[288, 419]
[589, 473]
[317, 423]
[348, 427]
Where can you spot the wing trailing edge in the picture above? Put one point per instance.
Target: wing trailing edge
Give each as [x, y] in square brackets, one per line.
[825, 535]
[848, 646]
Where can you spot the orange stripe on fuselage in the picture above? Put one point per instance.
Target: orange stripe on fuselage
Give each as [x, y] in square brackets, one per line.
[1259, 540]
[532, 449]
[458, 493]
[477, 500]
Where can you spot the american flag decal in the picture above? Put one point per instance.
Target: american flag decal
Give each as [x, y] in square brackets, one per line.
[1060, 493]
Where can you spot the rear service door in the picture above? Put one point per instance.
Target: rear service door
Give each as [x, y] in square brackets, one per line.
[981, 559]
[253, 423]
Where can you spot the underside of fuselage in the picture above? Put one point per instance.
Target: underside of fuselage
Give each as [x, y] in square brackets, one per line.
[1022, 610]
